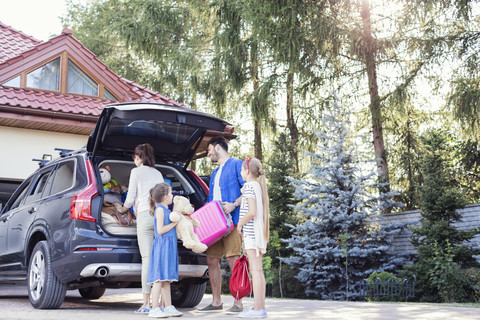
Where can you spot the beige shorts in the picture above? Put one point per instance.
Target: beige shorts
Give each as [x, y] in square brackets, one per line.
[230, 246]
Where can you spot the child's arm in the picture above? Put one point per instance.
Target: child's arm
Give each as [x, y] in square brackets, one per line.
[252, 212]
[161, 228]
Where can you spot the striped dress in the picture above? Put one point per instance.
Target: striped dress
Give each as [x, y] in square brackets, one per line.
[248, 228]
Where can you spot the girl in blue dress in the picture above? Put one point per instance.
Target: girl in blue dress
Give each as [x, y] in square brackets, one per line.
[163, 267]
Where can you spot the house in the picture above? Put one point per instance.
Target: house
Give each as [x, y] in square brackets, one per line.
[51, 94]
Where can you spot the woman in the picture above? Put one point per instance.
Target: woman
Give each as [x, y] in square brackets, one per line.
[143, 178]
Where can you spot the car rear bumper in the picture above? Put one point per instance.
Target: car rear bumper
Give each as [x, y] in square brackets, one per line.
[102, 270]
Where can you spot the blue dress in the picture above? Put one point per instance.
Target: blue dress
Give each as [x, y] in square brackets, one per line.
[164, 258]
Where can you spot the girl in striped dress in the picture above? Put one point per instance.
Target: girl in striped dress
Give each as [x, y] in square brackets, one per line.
[254, 224]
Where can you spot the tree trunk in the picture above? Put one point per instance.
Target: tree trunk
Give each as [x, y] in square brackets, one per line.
[375, 108]
[256, 104]
[292, 126]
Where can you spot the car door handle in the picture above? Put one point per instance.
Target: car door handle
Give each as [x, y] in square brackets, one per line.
[32, 210]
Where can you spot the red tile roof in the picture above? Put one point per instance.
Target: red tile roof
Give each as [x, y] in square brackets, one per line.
[49, 101]
[23, 52]
[13, 42]
[52, 111]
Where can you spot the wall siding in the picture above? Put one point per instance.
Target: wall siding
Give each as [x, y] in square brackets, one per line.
[470, 218]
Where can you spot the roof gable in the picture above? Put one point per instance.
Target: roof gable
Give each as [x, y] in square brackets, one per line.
[40, 53]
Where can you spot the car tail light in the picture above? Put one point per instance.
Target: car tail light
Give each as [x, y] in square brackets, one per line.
[81, 204]
[200, 181]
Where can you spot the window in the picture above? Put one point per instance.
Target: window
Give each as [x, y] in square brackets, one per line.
[108, 95]
[64, 178]
[15, 82]
[79, 82]
[51, 76]
[21, 195]
[46, 77]
[38, 187]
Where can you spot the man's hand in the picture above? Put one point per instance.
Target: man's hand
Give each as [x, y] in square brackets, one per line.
[228, 207]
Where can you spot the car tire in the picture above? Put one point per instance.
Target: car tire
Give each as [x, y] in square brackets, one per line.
[187, 293]
[92, 293]
[45, 291]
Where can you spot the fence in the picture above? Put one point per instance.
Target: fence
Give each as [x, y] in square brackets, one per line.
[389, 288]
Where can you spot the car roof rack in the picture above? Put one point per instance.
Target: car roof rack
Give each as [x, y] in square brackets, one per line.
[64, 152]
[41, 162]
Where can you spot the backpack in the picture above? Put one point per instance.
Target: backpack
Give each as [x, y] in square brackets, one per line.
[240, 283]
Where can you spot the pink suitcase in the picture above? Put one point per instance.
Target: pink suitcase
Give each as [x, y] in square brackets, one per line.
[214, 223]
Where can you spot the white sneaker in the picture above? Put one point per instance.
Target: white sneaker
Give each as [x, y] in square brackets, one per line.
[172, 312]
[158, 313]
[253, 314]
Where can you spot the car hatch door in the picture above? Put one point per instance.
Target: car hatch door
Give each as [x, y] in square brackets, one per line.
[174, 132]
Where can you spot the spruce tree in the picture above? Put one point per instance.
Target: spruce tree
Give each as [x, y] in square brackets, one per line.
[440, 245]
[282, 213]
[339, 212]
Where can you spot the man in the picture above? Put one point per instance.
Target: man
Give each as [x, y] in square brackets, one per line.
[225, 184]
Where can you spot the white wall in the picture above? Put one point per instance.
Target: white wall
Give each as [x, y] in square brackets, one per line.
[19, 146]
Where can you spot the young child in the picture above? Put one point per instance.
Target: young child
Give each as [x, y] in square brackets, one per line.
[163, 267]
[254, 222]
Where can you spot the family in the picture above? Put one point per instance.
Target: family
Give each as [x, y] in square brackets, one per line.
[241, 188]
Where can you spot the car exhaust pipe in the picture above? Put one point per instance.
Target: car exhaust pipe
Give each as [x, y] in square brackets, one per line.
[101, 272]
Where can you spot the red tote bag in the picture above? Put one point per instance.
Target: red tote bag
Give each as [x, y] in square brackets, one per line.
[240, 284]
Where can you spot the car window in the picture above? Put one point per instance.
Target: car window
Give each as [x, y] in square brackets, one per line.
[21, 196]
[63, 178]
[176, 133]
[38, 186]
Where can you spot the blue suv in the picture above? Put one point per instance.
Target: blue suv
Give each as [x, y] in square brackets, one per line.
[53, 234]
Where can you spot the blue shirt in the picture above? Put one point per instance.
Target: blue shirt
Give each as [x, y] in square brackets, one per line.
[230, 184]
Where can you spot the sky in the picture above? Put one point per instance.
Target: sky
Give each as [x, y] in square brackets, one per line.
[37, 18]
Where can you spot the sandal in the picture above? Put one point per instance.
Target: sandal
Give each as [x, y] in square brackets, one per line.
[143, 310]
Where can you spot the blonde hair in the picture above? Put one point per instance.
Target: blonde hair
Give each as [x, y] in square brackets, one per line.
[157, 194]
[254, 166]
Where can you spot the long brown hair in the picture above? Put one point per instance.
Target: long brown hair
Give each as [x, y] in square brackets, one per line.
[254, 166]
[157, 194]
[145, 152]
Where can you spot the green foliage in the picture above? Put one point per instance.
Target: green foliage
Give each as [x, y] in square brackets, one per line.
[447, 277]
[290, 286]
[467, 154]
[280, 190]
[384, 277]
[439, 243]
[267, 269]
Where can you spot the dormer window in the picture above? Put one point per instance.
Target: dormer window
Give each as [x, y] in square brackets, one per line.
[14, 82]
[64, 75]
[79, 82]
[46, 77]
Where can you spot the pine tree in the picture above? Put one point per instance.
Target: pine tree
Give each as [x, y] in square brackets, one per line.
[282, 200]
[438, 242]
[336, 204]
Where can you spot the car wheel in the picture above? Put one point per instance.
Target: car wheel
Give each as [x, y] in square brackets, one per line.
[92, 293]
[187, 293]
[45, 291]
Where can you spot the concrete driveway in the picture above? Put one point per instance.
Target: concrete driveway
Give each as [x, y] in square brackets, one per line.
[119, 304]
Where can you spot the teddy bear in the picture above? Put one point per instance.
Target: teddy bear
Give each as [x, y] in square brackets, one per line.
[181, 214]
[108, 182]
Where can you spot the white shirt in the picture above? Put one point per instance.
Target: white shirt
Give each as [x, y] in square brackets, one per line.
[217, 193]
[142, 179]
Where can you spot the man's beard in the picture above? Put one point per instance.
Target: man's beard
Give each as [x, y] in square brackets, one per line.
[214, 157]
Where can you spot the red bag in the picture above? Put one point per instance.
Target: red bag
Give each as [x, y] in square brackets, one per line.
[240, 284]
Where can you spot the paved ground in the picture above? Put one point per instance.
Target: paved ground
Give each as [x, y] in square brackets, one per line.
[118, 304]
